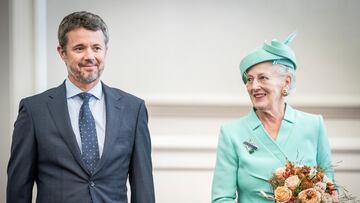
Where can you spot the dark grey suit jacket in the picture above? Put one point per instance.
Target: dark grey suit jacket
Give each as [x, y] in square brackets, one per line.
[44, 150]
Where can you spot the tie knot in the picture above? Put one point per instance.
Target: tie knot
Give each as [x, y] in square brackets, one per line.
[85, 96]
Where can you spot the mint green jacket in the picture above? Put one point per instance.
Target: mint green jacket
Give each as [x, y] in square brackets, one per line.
[241, 174]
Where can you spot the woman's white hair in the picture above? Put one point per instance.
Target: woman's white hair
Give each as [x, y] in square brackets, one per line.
[288, 71]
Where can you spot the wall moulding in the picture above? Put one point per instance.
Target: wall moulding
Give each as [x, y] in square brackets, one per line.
[233, 110]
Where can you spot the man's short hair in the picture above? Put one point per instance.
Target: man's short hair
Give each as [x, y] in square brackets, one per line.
[81, 19]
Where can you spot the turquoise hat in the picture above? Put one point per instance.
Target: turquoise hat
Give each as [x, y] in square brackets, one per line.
[278, 52]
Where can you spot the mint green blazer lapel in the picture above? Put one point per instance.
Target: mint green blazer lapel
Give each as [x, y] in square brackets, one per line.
[260, 134]
[287, 126]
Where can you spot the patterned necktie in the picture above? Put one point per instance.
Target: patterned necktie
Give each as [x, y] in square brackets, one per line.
[89, 143]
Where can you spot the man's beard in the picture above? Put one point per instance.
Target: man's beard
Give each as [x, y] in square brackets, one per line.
[87, 78]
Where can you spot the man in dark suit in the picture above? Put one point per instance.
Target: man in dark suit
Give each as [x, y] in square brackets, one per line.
[81, 141]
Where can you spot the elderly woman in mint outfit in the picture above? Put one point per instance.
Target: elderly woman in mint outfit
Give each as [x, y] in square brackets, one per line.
[251, 148]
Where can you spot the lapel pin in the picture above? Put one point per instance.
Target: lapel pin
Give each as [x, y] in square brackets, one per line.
[250, 146]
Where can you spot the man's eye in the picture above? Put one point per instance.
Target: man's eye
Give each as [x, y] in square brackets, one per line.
[78, 49]
[249, 79]
[263, 78]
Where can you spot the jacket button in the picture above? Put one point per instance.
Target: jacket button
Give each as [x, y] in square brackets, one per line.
[92, 184]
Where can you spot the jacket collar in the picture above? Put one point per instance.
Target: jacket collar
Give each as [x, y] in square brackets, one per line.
[254, 121]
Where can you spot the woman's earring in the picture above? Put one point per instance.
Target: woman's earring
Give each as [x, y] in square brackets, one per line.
[285, 92]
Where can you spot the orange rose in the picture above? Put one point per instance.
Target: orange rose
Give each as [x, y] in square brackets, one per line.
[309, 196]
[282, 194]
[292, 182]
[279, 173]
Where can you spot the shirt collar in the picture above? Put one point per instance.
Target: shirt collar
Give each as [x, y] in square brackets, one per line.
[72, 90]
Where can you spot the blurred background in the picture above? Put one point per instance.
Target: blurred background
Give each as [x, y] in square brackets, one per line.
[182, 57]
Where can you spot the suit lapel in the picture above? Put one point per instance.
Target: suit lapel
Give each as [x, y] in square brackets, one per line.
[57, 105]
[287, 126]
[114, 112]
[267, 142]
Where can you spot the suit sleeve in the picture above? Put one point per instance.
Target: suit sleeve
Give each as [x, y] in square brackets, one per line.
[140, 174]
[21, 166]
[225, 174]
[324, 151]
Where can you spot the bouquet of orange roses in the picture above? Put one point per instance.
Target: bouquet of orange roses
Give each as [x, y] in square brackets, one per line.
[303, 184]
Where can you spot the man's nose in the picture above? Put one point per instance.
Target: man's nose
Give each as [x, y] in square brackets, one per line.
[89, 54]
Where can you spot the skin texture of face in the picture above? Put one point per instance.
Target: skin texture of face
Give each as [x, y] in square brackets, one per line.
[84, 56]
[264, 85]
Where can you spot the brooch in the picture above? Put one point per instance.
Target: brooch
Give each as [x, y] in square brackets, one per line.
[250, 146]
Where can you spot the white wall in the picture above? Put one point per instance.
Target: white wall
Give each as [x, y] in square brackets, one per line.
[183, 56]
[194, 47]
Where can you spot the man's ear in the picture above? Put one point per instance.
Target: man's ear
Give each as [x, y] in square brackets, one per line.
[62, 52]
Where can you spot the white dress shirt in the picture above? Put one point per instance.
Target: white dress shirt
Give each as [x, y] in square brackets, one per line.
[97, 107]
